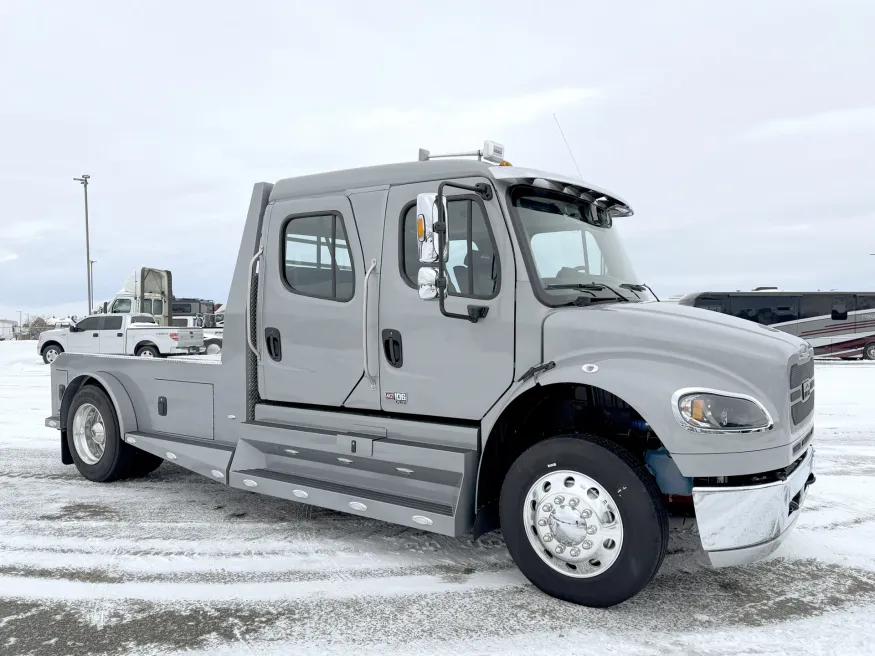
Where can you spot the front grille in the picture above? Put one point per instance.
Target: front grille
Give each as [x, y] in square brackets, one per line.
[801, 410]
[799, 373]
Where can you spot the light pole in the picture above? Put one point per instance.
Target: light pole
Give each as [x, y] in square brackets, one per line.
[84, 182]
[19, 325]
[91, 279]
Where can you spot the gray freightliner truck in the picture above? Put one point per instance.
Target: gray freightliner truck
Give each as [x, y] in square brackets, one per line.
[461, 345]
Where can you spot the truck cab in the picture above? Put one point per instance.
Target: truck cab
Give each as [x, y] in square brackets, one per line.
[462, 345]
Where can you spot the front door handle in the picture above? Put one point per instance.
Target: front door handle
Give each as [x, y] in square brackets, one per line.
[119, 334]
[273, 343]
[392, 347]
[96, 335]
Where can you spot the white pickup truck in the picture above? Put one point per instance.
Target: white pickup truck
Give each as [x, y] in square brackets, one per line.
[212, 336]
[120, 334]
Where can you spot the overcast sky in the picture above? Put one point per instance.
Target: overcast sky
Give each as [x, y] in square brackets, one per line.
[742, 133]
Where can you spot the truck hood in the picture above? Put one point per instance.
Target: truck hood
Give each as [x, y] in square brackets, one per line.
[53, 333]
[703, 340]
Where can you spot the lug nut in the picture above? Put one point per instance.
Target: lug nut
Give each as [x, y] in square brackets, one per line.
[587, 513]
[559, 548]
[542, 522]
[573, 503]
[591, 529]
[546, 507]
[558, 500]
[548, 538]
[575, 552]
[587, 544]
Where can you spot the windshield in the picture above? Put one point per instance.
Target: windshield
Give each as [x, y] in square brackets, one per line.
[568, 250]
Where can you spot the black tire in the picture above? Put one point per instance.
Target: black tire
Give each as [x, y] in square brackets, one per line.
[145, 463]
[643, 513]
[48, 359]
[119, 458]
[147, 349]
[869, 351]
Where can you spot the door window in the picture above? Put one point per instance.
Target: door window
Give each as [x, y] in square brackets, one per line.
[111, 323]
[841, 305]
[316, 257]
[89, 323]
[472, 265]
[813, 306]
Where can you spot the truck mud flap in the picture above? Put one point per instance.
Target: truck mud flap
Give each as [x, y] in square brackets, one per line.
[420, 486]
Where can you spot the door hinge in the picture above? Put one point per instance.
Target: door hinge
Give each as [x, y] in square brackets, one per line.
[537, 369]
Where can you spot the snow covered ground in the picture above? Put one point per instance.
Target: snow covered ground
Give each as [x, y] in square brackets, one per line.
[175, 563]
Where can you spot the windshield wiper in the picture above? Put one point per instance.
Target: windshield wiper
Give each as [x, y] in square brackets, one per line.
[639, 288]
[589, 287]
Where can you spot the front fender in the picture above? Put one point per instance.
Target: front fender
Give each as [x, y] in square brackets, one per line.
[646, 381]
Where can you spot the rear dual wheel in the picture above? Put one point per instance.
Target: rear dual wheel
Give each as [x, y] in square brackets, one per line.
[869, 351]
[95, 442]
[584, 520]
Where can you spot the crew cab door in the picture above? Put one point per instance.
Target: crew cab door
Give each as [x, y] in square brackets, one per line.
[432, 365]
[309, 329]
[112, 336]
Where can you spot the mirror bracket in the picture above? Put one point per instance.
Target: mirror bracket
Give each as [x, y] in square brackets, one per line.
[477, 312]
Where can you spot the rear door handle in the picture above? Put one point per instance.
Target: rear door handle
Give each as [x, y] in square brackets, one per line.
[392, 347]
[119, 334]
[96, 335]
[273, 342]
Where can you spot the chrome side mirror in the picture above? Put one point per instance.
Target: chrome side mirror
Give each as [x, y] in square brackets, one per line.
[426, 217]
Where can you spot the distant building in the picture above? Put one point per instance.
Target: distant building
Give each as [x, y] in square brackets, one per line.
[7, 329]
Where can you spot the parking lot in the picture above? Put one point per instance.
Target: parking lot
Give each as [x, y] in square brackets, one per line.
[177, 563]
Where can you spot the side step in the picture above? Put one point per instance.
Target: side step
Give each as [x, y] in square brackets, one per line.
[202, 456]
[423, 486]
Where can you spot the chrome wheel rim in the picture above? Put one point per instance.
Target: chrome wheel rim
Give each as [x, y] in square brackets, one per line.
[212, 349]
[51, 354]
[146, 353]
[870, 351]
[89, 434]
[573, 524]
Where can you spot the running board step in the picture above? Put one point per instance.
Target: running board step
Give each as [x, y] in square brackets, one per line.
[416, 513]
[208, 458]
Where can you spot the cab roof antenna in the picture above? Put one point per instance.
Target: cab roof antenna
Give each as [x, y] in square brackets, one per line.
[567, 146]
[492, 152]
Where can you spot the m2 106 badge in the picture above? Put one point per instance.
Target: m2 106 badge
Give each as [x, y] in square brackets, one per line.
[398, 397]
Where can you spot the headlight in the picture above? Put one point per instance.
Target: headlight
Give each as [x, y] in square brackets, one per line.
[712, 411]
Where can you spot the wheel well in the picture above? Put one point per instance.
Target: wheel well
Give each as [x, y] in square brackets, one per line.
[547, 411]
[48, 344]
[145, 343]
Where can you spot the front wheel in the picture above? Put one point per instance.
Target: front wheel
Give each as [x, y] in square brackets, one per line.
[869, 351]
[213, 348]
[50, 353]
[583, 520]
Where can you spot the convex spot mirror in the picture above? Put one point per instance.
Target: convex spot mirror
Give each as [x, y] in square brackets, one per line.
[426, 217]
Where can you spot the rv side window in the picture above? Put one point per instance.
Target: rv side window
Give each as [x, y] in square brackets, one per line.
[813, 306]
[841, 305]
[866, 301]
[316, 257]
[766, 309]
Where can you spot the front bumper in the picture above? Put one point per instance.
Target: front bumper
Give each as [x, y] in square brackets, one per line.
[741, 525]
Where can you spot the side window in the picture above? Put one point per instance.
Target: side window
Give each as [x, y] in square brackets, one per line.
[111, 323]
[316, 257]
[90, 323]
[814, 305]
[472, 264]
[841, 305]
[157, 306]
[767, 309]
[866, 302]
[142, 318]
